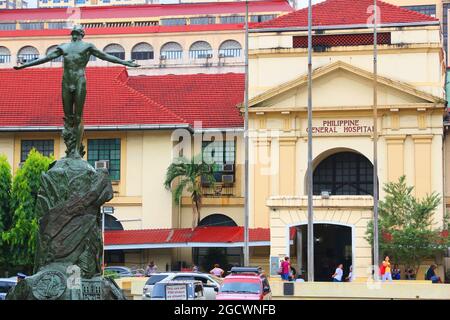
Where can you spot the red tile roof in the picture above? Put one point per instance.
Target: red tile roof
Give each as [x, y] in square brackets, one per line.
[32, 97]
[145, 11]
[199, 235]
[198, 97]
[123, 30]
[346, 12]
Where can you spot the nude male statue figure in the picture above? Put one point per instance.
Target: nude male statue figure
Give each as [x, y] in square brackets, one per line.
[76, 55]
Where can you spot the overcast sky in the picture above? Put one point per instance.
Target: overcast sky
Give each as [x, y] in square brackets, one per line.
[302, 3]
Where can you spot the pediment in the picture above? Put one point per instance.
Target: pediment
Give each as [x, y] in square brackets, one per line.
[340, 85]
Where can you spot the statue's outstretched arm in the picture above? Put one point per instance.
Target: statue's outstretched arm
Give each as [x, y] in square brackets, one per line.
[49, 57]
[108, 57]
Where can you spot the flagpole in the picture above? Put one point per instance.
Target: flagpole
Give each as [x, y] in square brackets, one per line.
[376, 258]
[246, 167]
[310, 173]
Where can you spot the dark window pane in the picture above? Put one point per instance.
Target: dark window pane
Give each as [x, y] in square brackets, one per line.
[45, 147]
[105, 149]
[344, 173]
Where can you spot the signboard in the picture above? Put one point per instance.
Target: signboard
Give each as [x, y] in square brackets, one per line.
[176, 292]
[91, 289]
[274, 265]
[342, 126]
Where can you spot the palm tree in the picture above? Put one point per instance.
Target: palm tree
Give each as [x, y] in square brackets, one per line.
[190, 174]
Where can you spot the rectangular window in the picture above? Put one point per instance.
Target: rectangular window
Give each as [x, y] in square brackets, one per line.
[7, 26]
[232, 19]
[57, 25]
[174, 22]
[45, 147]
[105, 149]
[221, 155]
[203, 20]
[142, 55]
[429, 10]
[5, 58]
[31, 25]
[262, 17]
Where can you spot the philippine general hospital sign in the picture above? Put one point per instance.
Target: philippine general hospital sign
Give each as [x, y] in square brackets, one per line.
[343, 126]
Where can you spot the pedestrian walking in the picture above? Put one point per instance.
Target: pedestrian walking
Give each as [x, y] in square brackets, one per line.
[285, 269]
[350, 276]
[217, 271]
[338, 274]
[386, 270]
[151, 268]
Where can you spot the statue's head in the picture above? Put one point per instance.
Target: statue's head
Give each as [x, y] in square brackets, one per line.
[77, 30]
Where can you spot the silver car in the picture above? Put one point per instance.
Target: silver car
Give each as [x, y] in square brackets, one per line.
[211, 284]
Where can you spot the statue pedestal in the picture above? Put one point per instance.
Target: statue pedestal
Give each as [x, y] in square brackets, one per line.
[69, 246]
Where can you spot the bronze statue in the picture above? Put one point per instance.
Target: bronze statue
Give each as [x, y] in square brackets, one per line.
[69, 245]
[76, 55]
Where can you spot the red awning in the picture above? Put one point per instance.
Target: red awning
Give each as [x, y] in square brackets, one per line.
[199, 237]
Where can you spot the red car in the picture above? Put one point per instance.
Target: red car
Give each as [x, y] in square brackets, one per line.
[245, 283]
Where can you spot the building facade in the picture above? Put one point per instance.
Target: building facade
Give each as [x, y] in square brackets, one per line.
[411, 105]
[13, 4]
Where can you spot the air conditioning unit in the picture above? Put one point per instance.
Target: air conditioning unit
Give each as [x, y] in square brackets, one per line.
[163, 57]
[228, 168]
[228, 179]
[102, 164]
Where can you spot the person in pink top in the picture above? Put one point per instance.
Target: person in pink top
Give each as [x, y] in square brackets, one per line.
[217, 271]
[285, 268]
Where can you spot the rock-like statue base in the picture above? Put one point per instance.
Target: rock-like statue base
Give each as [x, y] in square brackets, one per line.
[69, 249]
[59, 282]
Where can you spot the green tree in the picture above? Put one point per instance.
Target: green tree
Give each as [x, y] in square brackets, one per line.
[22, 235]
[406, 227]
[190, 174]
[5, 213]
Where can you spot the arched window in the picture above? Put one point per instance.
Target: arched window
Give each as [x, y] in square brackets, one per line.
[51, 49]
[172, 51]
[111, 223]
[27, 54]
[230, 48]
[217, 220]
[5, 55]
[115, 50]
[200, 50]
[344, 173]
[142, 51]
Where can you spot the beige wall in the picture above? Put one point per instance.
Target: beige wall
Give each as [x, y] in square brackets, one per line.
[437, 3]
[421, 48]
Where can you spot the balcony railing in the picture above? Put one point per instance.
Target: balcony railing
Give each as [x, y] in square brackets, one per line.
[219, 190]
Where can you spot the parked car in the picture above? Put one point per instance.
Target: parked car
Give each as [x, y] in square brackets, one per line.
[120, 271]
[211, 283]
[178, 290]
[245, 283]
[6, 284]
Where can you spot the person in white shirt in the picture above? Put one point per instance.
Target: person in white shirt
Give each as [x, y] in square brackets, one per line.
[337, 276]
[350, 276]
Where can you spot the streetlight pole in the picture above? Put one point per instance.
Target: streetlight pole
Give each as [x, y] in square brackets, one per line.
[310, 173]
[246, 147]
[103, 242]
[375, 147]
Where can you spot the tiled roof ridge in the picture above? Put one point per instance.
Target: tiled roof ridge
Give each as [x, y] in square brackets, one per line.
[325, 3]
[146, 98]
